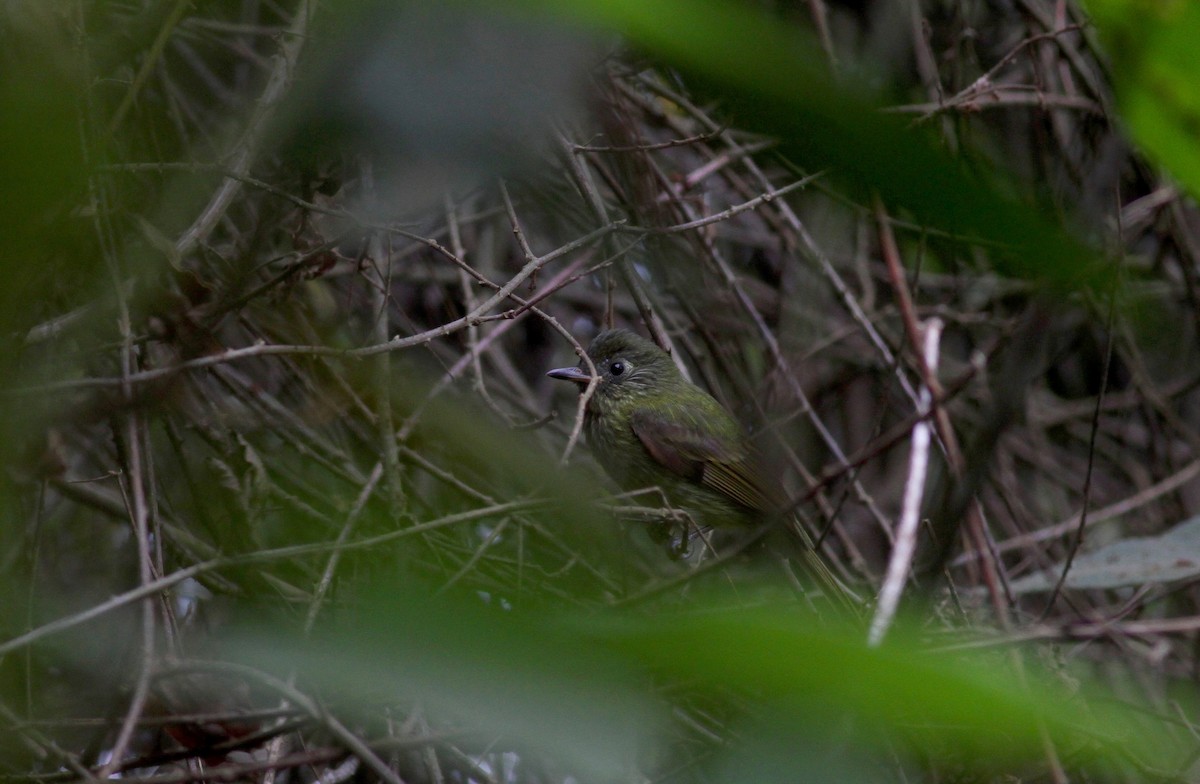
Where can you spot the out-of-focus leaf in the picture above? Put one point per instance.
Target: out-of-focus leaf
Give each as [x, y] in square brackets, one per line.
[770, 750]
[41, 163]
[497, 672]
[973, 704]
[773, 79]
[1151, 559]
[578, 686]
[1152, 46]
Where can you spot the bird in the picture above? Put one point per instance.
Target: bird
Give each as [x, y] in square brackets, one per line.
[648, 426]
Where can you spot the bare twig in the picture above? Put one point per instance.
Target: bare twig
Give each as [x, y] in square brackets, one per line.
[914, 491]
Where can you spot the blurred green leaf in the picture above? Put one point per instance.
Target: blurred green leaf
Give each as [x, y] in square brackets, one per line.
[578, 686]
[41, 163]
[1152, 46]
[497, 672]
[973, 703]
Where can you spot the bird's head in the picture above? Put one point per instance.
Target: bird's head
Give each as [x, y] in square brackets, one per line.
[629, 367]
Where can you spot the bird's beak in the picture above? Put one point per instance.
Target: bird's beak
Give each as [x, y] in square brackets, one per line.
[574, 374]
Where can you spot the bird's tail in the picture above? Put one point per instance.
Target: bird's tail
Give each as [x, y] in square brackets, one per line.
[834, 589]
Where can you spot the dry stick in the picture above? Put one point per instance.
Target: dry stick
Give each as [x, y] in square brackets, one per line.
[492, 537]
[778, 359]
[308, 442]
[478, 315]
[468, 295]
[910, 511]
[428, 752]
[1086, 492]
[1085, 71]
[242, 153]
[1003, 96]
[379, 284]
[480, 346]
[587, 187]
[374, 263]
[150, 61]
[946, 437]
[139, 517]
[586, 184]
[814, 490]
[52, 326]
[532, 265]
[927, 68]
[135, 498]
[908, 316]
[315, 710]
[259, 349]
[1085, 630]
[724, 215]
[558, 282]
[1055, 74]
[242, 771]
[1181, 229]
[335, 555]
[1061, 413]
[976, 529]
[719, 162]
[277, 747]
[524, 305]
[577, 427]
[985, 84]
[810, 246]
[828, 271]
[191, 548]
[1149, 392]
[883, 442]
[154, 587]
[700, 137]
[471, 492]
[170, 621]
[1071, 524]
[820, 20]
[43, 746]
[163, 167]
[975, 524]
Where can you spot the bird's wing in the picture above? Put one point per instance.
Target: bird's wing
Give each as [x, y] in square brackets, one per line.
[727, 467]
[704, 459]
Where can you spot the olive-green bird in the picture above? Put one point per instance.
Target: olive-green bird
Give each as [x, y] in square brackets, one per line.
[648, 426]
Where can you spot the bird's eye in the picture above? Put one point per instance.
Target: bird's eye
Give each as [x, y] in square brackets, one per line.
[616, 368]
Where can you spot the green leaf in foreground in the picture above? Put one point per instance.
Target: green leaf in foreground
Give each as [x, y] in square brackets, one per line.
[585, 689]
[495, 672]
[1154, 65]
[972, 703]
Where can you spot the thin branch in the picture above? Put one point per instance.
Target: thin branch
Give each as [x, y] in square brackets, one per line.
[157, 586]
[905, 546]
